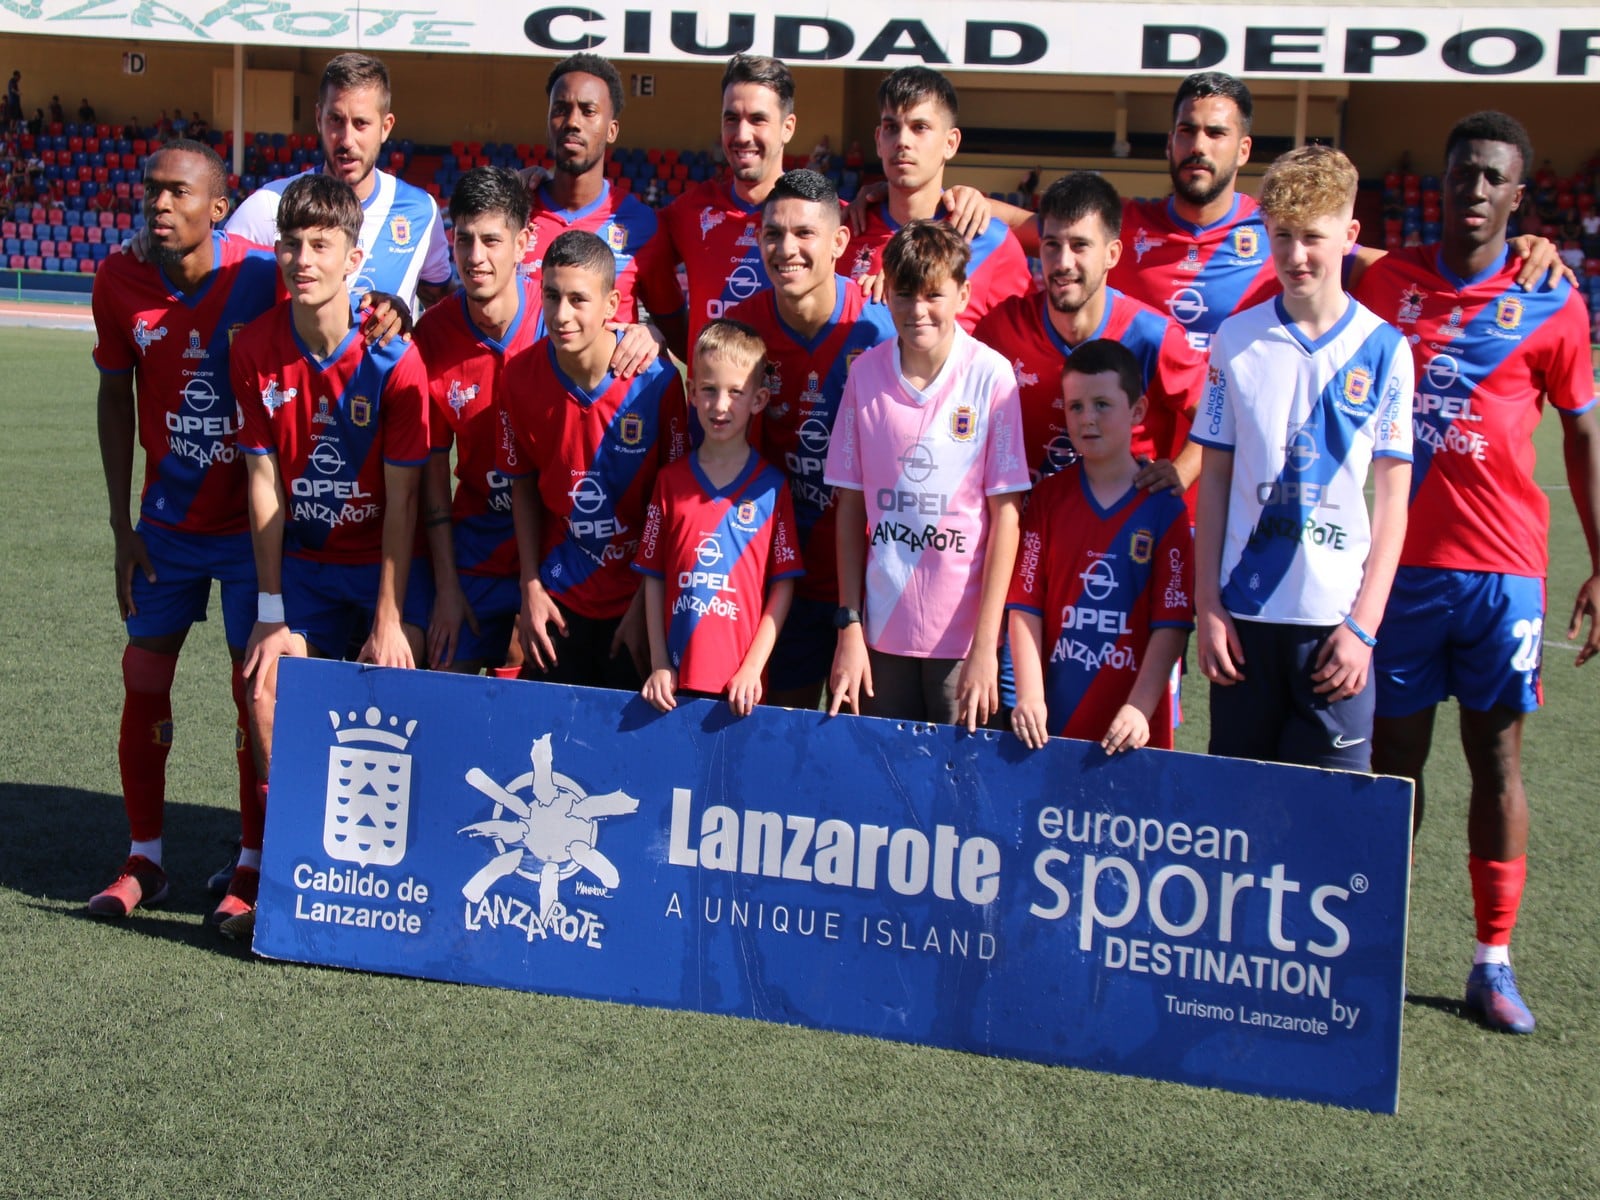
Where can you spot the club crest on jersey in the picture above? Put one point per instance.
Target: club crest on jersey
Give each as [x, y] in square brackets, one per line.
[273, 398]
[710, 218]
[360, 411]
[324, 414]
[963, 422]
[459, 397]
[1142, 546]
[1143, 243]
[144, 337]
[632, 429]
[1410, 306]
[1191, 260]
[616, 238]
[1358, 386]
[1245, 243]
[400, 230]
[1508, 312]
[748, 237]
[812, 396]
[746, 515]
[195, 350]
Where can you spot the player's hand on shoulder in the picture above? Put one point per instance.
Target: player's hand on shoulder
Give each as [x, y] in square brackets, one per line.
[860, 208]
[131, 556]
[1588, 605]
[138, 245]
[639, 346]
[384, 318]
[967, 209]
[871, 286]
[1030, 721]
[1130, 730]
[1542, 268]
[533, 177]
[661, 689]
[1159, 476]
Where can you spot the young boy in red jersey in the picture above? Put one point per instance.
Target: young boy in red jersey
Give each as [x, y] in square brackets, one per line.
[582, 449]
[1100, 599]
[719, 552]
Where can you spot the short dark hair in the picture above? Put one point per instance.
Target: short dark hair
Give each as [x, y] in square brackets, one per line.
[352, 71]
[1078, 194]
[922, 252]
[1216, 83]
[804, 184]
[1492, 126]
[318, 201]
[490, 190]
[910, 86]
[759, 69]
[1102, 355]
[582, 249]
[216, 172]
[589, 64]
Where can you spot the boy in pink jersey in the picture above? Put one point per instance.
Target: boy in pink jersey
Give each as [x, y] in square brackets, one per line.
[582, 448]
[1100, 600]
[719, 552]
[929, 468]
[336, 434]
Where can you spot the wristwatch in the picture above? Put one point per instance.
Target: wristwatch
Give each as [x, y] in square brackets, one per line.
[844, 617]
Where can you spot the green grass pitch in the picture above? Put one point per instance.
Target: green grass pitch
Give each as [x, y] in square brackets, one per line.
[148, 1058]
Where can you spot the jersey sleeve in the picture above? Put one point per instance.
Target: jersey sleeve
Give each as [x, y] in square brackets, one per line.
[1569, 376]
[1214, 423]
[405, 405]
[436, 263]
[113, 350]
[1393, 432]
[843, 465]
[255, 431]
[1027, 589]
[1180, 375]
[1172, 583]
[256, 218]
[673, 441]
[1005, 460]
[1006, 275]
[785, 561]
[655, 280]
[513, 456]
[652, 554]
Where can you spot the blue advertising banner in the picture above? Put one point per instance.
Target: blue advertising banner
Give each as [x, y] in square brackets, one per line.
[1220, 923]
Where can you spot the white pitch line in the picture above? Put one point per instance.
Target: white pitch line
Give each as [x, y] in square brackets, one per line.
[1569, 646]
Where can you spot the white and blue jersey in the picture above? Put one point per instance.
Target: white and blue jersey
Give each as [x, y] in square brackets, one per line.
[1303, 420]
[402, 235]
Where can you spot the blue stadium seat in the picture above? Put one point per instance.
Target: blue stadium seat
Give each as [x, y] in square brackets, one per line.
[52, 264]
[13, 246]
[30, 247]
[100, 252]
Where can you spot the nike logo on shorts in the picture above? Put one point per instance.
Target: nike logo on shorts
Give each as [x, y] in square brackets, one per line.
[1340, 742]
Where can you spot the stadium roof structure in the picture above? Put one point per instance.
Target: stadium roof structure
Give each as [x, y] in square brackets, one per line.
[1460, 40]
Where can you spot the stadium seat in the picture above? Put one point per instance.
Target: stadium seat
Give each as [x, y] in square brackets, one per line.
[94, 235]
[106, 219]
[35, 263]
[100, 253]
[25, 230]
[51, 264]
[86, 266]
[8, 229]
[16, 262]
[75, 235]
[13, 245]
[124, 220]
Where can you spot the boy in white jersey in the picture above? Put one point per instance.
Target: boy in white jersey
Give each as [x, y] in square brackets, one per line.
[1307, 391]
[928, 466]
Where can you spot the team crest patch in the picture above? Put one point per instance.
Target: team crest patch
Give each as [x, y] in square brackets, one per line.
[1358, 386]
[400, 230]
[1245, 244]
[632, 429]
[1142, 546]
[963, 422]
[1508, 312]
[1410, 305]
[747, 513]
[617, 238]
[360, 411]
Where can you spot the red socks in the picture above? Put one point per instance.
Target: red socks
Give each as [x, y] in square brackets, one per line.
[1496, 896]
[252, 795]
[146, 738]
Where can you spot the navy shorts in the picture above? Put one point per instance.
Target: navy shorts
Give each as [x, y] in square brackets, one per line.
[803, 653]
[1474, 635]
[495, 601]
[185, 564]
[331, 604]
[1273, 715]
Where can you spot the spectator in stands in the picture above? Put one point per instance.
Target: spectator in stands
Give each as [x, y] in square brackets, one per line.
[199, 128]
[1572, 254]
[133, 129]
[14, 97]
[1591, 233]
[105, 200]
[854, 159]
[56, 115]
[86, 111]
[821, 156]
[1028, 185]
[36, 122]
[180, 123]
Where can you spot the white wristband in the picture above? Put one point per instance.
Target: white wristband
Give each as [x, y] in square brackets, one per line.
[269, 608]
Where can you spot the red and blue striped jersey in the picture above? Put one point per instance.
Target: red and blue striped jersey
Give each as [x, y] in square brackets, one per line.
[717, 238]
[997, 271]
[1487, 353]
[177, 345]
[1174, 374]
[1100, 580]
[805, 378]
[717, 550]
[596, 455]
[1198, 275]
[464, 368]
[622, 222]
[334, 425]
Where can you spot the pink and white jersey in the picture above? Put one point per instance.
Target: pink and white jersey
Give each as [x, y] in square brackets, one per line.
[926, 461]
[1100, 579]
[177, 345]
[334, 424]
[623, 222]
[465, 366]
[997, 271]
[1303, 419]
[717, 550]
[717, 238]
[1198, 275]
[596, 455]
[1487, 354]
[1174, 374]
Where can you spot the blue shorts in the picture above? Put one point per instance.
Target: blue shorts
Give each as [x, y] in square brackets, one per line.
[495, 601]
[803, 654]
[1273, 715]
[185, 564]
[331, 604]
[1473, 635]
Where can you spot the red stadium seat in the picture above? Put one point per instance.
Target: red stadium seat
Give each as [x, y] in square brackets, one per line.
[85, 174]
[124, 220]
[680, 170]
[102, 131]
[124, 191]
[86, 266]
[669, 156]
[397, 161]
[141, 147]
[674, 187]
[25, 231]
[75, 144]
[459, 149]
[16, 262]
[539, 151]
[653, 157]
[136, 190]
[102, 175]
[94, 235]
[76, 234]
[613, 170]
[58, 216]
[35, 262]
[107, 219]
[8, 229]
[524, 151]
[91, 145]
[74, 188]
[56, 129]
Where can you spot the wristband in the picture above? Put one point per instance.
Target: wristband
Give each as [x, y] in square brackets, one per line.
[1366, 638]
[269, 608]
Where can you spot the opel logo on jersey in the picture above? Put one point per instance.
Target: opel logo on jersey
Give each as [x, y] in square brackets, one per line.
[327, 459]
[199, 395]
[587, 495]
[743, 282]
[813, 434]
[1442, 372]
[709, 552]
[1186, 306]
[1301, 451]
[1099, 580]
[917, 463]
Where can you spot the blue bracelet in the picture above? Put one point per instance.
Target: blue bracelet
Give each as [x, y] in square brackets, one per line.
[1366, 638]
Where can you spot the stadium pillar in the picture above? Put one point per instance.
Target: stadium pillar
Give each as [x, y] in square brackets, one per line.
[1302, 104]
[238, 109]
